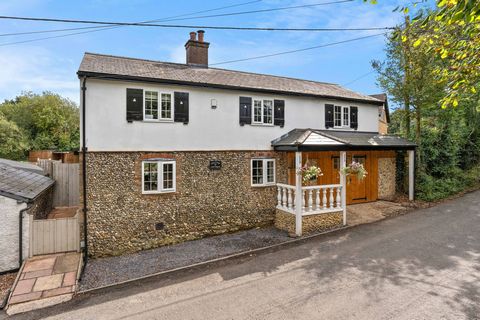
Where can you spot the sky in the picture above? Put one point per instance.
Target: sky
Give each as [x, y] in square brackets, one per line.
[51, 64]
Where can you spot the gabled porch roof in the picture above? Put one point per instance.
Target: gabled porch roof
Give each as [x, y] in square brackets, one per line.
[331, 140]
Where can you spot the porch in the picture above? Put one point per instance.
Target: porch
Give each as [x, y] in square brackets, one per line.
[324, 204]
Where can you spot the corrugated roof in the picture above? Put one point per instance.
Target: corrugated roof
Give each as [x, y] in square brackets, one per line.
[22, 184]
[349, 139]
[149, 70]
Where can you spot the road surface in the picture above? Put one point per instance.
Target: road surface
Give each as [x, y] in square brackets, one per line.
[424, 265]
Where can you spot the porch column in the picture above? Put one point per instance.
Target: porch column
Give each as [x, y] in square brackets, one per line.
[298, 194]
[411, 174]
[343, 182]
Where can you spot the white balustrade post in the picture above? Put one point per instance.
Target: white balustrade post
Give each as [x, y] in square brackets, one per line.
[324, 198]
[339, 197]
[298, 194]
[331, 198]
[284, 198]
[411, 174]
[279, 196]
[317, 199]
[310, 200]
[289, 201]
[343, 182]
[304, 205]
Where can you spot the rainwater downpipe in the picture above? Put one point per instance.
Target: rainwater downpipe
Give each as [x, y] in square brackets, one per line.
[20, 232]
[84, 178]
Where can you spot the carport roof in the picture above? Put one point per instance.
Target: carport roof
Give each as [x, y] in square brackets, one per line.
[331, 140]
[22, 185]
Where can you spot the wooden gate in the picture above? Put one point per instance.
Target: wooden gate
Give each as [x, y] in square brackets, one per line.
[54, 235]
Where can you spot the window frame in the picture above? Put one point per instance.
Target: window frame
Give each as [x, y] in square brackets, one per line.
[265, 162]
[160, 179]
[346, 121]
[159, 105]
[262, 111]
[343, 123]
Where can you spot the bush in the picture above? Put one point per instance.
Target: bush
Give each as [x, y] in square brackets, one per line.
[430, 188]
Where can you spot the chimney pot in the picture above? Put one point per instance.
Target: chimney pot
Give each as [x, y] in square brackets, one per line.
[200, 35]
[197, 49]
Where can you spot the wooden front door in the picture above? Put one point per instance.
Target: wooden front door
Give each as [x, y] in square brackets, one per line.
[357, 189]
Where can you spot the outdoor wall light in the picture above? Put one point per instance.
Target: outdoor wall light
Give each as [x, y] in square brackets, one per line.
[213, 103]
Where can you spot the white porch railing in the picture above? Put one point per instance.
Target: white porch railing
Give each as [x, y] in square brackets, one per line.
[315, 199]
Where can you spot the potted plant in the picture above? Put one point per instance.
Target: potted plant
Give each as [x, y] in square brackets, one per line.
[355, 168]
[310, 174]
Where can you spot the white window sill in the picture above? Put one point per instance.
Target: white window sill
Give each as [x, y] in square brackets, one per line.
[270, 184]
[158, 192]
[158, 121]
[262, 124]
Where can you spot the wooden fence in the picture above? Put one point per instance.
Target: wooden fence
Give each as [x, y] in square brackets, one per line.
[66, 175]
[54, 235]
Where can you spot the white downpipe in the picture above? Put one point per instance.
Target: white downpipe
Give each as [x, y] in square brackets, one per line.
[298, 194]
[343, 182]
[411, 174]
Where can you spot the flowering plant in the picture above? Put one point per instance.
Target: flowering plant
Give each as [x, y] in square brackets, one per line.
[309, 173]
[355, 168]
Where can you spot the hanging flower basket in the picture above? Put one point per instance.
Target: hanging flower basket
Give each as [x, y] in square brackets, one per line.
[310, 174]
[355, 168]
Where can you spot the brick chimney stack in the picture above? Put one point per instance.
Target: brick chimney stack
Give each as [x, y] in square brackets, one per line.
[197, 49]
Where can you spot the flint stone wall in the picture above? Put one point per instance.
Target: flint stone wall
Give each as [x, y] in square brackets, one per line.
[386, 178]
[311, 223]
[207, 202]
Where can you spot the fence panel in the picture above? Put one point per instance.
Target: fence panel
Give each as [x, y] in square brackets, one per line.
[54, 236]
[66, 192]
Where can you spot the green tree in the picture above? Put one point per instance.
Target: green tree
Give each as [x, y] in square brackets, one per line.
[406, 75]
[13, 141]
[451, 33]
[49, 121]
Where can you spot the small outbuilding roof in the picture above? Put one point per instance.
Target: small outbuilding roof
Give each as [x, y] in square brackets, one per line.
[22, 165]
[114, 67]
[21, 184]
[329, 140]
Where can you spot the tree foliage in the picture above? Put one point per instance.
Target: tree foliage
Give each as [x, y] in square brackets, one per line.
[13, 141]
[47, 121]
[448, 139]
[450, 33]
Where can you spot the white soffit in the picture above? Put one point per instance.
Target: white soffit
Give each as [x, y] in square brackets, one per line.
[318, 139]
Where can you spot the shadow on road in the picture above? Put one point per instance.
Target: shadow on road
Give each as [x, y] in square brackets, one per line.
[404, 251]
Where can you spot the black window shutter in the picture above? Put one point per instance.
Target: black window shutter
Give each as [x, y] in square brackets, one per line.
[354, 117]
[329, 116]
[279, 113]
[245, 109]
[134, 105]
[181, 107]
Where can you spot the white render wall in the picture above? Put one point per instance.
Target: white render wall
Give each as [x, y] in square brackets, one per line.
[208, 129]
[9, 211]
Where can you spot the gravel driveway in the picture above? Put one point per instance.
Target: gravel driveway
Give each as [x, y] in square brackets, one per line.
[106, 271]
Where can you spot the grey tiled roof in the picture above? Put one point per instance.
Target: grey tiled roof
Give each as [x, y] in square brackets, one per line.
[22, 184]
[130, 68]
[22, 165]
[350, 139]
